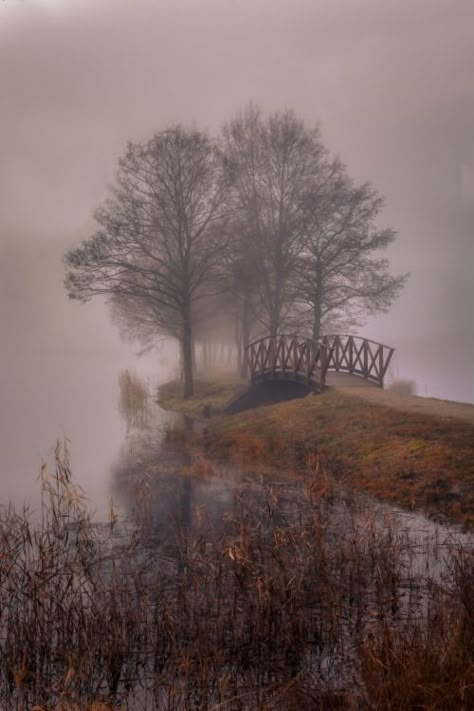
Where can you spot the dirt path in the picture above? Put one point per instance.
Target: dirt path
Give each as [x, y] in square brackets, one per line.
[411, 403]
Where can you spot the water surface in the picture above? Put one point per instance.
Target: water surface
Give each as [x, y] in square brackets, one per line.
[73, 397]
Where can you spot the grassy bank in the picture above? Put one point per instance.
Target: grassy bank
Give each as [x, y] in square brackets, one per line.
[210, 397]
[414, 460]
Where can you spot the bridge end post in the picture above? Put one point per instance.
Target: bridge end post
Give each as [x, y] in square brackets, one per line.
[323, 362]
[385, 365]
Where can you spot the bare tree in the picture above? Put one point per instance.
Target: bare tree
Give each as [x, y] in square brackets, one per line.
[161, 235]
[341, 275]
[264, 231]
[272, 162]
[242, 276]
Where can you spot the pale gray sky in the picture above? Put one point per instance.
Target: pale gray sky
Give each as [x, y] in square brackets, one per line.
[389, 81]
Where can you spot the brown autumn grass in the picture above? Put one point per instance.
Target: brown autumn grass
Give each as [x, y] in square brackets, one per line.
[210, 396]
[411, 459]
[96, 706]
[300, 602]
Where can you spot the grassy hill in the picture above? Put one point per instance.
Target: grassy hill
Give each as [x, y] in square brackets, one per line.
[400, 449]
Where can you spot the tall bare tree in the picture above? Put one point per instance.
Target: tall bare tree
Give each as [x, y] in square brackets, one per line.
[272, 162]
[161, 235]
[242, 276]
[341, 274]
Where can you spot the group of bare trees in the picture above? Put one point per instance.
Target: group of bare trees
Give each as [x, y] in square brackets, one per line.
[253, 232]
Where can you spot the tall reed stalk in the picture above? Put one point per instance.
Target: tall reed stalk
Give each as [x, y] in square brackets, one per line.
[133, 398]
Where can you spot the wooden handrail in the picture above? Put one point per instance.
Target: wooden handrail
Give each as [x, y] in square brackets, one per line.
[298, 358]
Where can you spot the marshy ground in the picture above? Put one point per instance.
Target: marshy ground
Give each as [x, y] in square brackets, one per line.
[249, 573]
[414, 452]
[232, 589]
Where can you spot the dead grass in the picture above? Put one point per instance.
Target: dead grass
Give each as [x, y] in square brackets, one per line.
[408, 458]
[133, 398]
[281, 609]
[210, 398]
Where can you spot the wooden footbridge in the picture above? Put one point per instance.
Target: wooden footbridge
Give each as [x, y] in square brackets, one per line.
[291, 366]
[302, 360]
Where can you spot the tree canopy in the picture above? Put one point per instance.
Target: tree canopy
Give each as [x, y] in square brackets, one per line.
[160, 237]
[260, 228]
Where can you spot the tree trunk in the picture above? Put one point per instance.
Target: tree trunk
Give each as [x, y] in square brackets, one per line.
[275, 314]
[187, 347]
[238, 343]
[194, 354]
[245, 336]
[316, 324]
[274, 324]
[317, 312]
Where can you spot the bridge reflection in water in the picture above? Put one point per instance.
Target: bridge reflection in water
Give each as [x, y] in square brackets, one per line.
[302, 360]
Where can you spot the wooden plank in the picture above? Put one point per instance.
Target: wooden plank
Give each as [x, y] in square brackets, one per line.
[308, 361]
[251, 353]
[277, 345]
[350, 343]
[338, 353]
[265, 356]
[289, 352]
[380, 368]
[391, 351]
[358, 355]
[373, 374]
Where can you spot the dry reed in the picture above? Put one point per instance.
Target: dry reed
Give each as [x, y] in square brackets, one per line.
[133, 398]
[295, 604]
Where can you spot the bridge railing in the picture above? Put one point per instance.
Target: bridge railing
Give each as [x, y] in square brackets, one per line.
[293, 357]
[288, 357]
[358, 356]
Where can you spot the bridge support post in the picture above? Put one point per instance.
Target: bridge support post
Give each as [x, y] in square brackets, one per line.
[324, 361]
[350, 347]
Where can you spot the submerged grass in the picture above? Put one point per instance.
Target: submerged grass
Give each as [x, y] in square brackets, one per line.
[296, 602]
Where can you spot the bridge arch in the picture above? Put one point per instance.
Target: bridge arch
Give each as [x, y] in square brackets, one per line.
[287, 357]
[302, 360]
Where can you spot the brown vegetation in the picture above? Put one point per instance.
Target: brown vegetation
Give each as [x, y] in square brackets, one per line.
[133, 398]
[302, 597]
[301, 602]
[210, 397]
[411, 459]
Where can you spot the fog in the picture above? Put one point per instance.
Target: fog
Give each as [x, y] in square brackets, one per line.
[389, 83]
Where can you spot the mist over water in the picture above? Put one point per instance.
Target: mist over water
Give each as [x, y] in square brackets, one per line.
[198, 582]
[390, 85]
[72, 397]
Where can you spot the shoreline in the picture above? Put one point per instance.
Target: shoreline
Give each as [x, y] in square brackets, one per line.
[401, 455]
